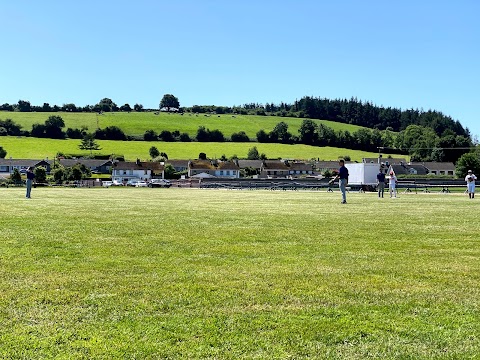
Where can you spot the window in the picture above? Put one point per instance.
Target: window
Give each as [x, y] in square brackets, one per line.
[221, 172]
[146, 172]
[228, 172]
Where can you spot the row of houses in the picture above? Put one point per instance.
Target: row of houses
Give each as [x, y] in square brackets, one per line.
[124, 171]
[145, 170]
[400, 166]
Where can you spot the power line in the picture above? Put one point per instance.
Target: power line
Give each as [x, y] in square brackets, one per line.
[427, 148]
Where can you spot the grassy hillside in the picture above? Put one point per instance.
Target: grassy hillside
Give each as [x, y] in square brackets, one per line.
[137, 123]
[35, 148]
[202, 274]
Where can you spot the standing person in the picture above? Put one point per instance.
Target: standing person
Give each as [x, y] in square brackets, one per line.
[343, 182]
[380, 183]
[30, 177]
[392, 182]
[470, 179]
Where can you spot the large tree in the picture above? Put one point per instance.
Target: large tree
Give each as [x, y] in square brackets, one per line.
[469, 161]
[308, 132]
[169, 101]
[253, 154]
[154, 152]
[3, 153]
[40, 174]
[88, 143]
[106, 105]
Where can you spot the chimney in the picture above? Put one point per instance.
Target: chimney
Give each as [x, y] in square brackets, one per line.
[137, 162]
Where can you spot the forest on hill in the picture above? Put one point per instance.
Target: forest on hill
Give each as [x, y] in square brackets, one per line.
[353, 111]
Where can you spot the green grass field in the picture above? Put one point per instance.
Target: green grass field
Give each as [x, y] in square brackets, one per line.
[137, 123]
[185, 273]
[36, 148]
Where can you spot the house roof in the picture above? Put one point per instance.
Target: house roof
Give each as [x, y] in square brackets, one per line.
[275, 165]
[405, 169]
[178, 163]
[256, 164]
[227, 165]
[391, 161]
[300, 166]
[87, 162]
[139, 165]
[436, 166]
[203, 176]
[201, 164]
[327, 165]
[212, 165]
[22, 162]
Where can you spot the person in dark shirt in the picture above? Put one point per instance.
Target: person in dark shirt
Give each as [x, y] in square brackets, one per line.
[343, 180]
[30, 177]
[381, 183]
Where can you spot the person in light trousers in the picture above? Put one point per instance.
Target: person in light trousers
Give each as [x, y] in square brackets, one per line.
[30, 177]
[470, 179]
[343, 180]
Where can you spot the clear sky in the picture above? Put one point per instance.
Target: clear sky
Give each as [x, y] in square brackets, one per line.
[408, 54]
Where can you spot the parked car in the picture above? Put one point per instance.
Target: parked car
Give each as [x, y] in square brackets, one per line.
[117, 183]
[107, 183]
[141, 184]
[159, 183]
[132, 182]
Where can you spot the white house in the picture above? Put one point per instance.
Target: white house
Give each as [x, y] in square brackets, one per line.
[221, 169]
[138, 170]
[8, 165]
[284, 168]
[438, 168]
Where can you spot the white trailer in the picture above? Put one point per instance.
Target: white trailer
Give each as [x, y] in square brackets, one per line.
[362, 174]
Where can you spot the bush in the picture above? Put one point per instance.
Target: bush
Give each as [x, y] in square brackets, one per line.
[240, 137]
[16, 177]
[150, 135]
[75, 133]
[40, 174]
[110, 133]
[262, 136]
[184, 137]
[216, 136]
[166, 135]
[154, 152]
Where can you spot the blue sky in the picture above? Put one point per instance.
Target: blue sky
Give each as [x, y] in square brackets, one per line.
[408, 54]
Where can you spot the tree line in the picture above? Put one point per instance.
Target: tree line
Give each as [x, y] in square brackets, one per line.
[104, 105]
[352, 111]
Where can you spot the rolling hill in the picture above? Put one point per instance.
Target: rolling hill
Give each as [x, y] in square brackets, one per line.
[29, 148]
[136, 123]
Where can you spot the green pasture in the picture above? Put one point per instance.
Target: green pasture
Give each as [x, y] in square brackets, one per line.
[35, 148]
[124, 273]
[136, 123]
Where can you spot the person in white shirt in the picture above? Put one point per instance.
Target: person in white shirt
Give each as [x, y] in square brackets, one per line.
[470, 179]
[392, 182]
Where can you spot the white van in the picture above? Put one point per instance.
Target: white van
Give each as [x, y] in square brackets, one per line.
[107, 183]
